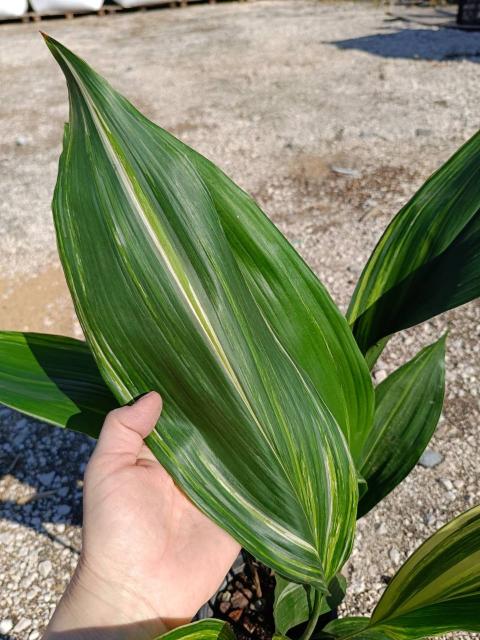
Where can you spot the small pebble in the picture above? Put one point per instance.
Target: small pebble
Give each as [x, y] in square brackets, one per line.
[259, 605]
[46, 478]
[224, 607]
[63, 509]
[239, 601]
[446, 484]
[380, 375]
[395, 556]
[22, 625]
[423, 132]
[345, 171]
[45, 568]
[239, 564]
[430, 459]
[6, 626]
[235, 615]
[357, 587]
[247, 593]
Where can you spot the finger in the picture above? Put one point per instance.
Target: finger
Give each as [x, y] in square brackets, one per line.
[125, 428]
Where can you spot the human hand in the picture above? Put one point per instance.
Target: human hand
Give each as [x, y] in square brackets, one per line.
[150, 559]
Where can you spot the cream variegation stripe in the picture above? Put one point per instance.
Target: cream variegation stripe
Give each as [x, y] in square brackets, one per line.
[275, 527]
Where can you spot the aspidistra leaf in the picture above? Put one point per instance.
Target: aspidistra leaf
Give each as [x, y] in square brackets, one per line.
[344, 627]
[54, 379]
[294, 602]
[428, 259]
[291, 297]
[210, 629]
[436, 591]
[164, 305]
[438, 588]
[408, 407]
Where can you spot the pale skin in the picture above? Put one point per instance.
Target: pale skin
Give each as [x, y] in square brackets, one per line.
[150, 559]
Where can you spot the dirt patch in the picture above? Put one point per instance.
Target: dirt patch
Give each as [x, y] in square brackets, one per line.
[40, 303]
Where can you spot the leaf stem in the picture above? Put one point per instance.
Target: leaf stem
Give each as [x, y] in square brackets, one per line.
[316, 610]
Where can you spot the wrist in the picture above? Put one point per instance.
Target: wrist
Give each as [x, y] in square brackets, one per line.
[99, 608]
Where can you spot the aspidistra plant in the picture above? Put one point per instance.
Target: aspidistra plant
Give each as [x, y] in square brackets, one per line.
[271, 424]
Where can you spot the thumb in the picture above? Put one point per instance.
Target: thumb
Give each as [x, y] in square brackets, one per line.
[125, 428]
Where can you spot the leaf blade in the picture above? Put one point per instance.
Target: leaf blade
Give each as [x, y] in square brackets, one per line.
[240, 419]
[325, 348]
[437, 590]
[202, 630]
[55, 379]
[433, 239]
[408, 407]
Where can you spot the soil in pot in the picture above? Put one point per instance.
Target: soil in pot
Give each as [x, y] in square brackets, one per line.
[245, 600]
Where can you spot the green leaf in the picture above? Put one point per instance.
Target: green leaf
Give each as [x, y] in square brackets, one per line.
[428, 259]
[408, 407]
[290, 296]
[203, 630]
[54, 379]
[343, 627]
[164, 305]
[294, 602]
[436, 591]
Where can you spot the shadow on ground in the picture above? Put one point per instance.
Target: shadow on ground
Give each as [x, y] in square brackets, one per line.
[41, 474]
[418, 44]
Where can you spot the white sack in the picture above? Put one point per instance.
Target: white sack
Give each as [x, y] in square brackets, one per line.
[64, 6]
[13, 8]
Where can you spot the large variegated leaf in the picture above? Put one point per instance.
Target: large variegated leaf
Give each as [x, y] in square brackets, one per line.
[408, 406]
[290, 296]
[436, 591]
[165, 306]
[428, 259]
[55, 379]
[202, 630]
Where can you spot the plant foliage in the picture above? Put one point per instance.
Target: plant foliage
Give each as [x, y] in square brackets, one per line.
[271, 424]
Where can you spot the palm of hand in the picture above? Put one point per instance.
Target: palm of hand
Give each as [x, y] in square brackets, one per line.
[141, 527]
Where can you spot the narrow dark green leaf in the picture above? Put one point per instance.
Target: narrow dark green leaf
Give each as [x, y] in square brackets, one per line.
[203, 630]
[54, 379]
[428, 259]
[436, 591]
[408, 407]
[164, 305]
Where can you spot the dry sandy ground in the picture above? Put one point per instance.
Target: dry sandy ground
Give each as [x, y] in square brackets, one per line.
[277, 93]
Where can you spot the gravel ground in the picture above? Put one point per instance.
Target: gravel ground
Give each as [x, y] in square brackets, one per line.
[277, 93]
